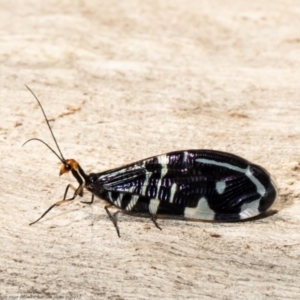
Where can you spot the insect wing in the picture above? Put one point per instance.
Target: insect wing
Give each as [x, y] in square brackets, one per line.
[196, 184]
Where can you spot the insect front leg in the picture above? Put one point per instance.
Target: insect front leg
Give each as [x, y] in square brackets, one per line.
[78, 191]
[113, 218]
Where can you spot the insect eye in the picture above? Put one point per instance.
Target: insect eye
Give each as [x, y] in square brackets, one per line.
[67, 167]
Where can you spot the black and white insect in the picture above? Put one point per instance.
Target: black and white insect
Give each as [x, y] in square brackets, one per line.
[191, 184]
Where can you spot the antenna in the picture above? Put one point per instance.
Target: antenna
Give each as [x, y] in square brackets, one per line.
[35, 139]
[47, 121]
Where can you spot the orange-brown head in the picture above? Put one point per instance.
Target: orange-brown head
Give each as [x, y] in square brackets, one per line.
[69, 165]
[73, 166]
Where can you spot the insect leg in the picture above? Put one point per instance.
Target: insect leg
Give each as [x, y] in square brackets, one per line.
[153, 219]
[78, 191]
[55, 204]
[113, 218]
[89, 202]
[67, 188]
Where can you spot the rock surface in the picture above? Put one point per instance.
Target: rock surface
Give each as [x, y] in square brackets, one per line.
[124, 80]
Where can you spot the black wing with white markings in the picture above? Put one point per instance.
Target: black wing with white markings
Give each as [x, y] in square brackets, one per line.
[196, 184]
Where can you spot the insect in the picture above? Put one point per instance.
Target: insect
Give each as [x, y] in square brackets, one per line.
[192, 184]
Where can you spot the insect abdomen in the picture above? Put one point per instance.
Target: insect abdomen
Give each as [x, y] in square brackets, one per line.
[195, 184]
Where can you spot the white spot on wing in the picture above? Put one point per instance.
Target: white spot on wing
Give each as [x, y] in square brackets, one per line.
[185, 156]
[131, 189]
[173, 191]
[163, 160]
[260, 188]
[109, 196]
[153, 206]
[201, 211]
[249, 210]
[220, 187]
[145, 184]
[118, 201]
[132, 202]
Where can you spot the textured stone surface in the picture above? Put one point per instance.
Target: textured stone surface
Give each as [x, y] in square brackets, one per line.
[124, 80]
